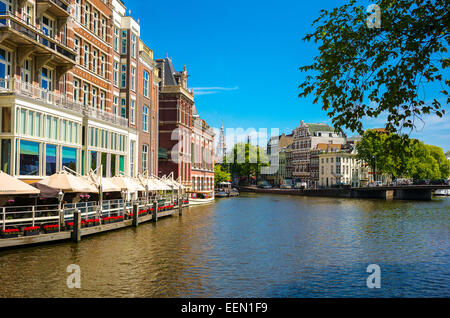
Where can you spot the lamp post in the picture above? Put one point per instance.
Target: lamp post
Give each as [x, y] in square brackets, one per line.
[124, 193]
[60, 210]
[374, 168]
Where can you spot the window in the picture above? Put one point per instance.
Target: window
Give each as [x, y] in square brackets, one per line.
[133, 78]
[113, 165]
[102, 100]
[145, 118]
[95, 22]
[5, 64]
[87, 20]
[145, 84]
[115, 104]
[29, 158]
[69, 158]
[132, 165]
[46, 79]
[103, 35]
[47, 26]
[50, 160]
[6, 155]
[94, 97]
[124, 42]
[116, 74]
[132, 111]
[76, 90]
[116, 39]
[123, 109]
[124, 76]
[76, 45]
[85, 94]
[28, 14]
[86, 56]
[25, 71]
[94, 60]
[144, 158]
[78, 10]
[133, 45]
[102, 65]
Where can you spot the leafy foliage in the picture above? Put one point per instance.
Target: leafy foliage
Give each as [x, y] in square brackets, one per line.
[397, 156]
[220, 174]
[362, 71]
[246, 159]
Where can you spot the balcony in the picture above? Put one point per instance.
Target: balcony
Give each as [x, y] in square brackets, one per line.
[30, 39]
[17, 87]
[61, 101]
[58, 8]
[96, 113]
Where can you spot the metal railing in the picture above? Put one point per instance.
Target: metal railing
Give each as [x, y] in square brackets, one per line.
[105, 116]
[9, 19]
[26, 89]
[38, 93]
[19, 217]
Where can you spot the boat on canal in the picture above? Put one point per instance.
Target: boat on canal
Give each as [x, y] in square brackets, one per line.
[225, 190]
[197, 197]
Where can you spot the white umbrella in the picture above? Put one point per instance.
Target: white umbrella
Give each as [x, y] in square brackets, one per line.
[10, 185]
[67, 182]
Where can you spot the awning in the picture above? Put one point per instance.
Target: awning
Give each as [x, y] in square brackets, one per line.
[67, 182]
[107, 183]
[10, 186]
[126, 183]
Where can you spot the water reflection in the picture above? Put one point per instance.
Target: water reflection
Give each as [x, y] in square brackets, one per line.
[252, 246]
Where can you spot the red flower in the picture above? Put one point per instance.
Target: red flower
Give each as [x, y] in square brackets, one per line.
[10, 230]
[32, 228]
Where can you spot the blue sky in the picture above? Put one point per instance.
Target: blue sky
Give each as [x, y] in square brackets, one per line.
[243, 59]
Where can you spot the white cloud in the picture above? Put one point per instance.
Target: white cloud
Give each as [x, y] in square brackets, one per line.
[212, 90]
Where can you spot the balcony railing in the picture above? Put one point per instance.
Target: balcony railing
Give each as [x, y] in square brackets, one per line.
[9, 20]
[59, 3]
[16, 86]
[38, 93]
[105, 116]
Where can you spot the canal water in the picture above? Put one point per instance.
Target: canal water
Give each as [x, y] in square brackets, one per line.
[252, 246]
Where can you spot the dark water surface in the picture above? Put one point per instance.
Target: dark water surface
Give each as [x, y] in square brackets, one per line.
[252, 246]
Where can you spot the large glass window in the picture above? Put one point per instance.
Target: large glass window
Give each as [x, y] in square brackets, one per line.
[50, 160]
[6, 119]
[93, 160]
[104, 164]
[29, 158]
[122, 165]
[69, 158]
[113, 165]
[124, 42]
[6, 156]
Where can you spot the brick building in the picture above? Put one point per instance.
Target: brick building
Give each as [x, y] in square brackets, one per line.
[176, 104]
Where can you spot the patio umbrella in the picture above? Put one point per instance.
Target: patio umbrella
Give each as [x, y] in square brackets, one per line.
[46, 191]
[10, 186]
[126, 183]
[107, 183]
[67, 182]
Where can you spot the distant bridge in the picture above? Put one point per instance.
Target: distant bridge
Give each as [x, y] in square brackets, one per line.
[401, 192]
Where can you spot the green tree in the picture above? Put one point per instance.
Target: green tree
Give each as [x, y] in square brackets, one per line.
[248, 160]
[220, 174]
[364, 72]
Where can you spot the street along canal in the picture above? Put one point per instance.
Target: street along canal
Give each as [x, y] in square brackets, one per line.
[252, 246]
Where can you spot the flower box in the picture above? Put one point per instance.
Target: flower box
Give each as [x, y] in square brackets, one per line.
[83, 224]
[53, 228]
[9, 233]
[69, 226]
[32, 230]
[106, 220]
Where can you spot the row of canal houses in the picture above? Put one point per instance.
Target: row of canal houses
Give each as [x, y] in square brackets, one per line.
[316, 156]
[80, 89]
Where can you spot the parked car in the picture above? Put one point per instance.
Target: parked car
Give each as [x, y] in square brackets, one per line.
[285, 186]
[421, 182]
[402, 181]
[376, 184]
[264, 185]
[301, 185]
[440, 182]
